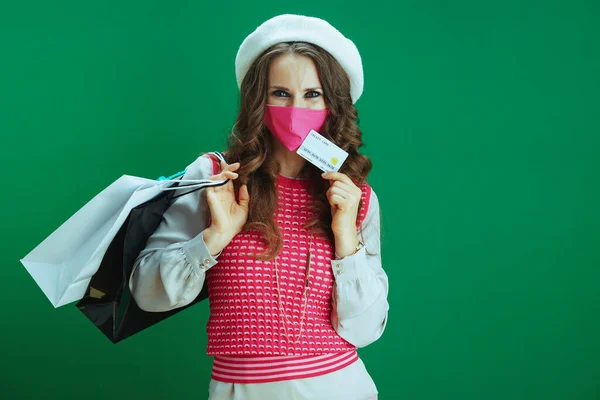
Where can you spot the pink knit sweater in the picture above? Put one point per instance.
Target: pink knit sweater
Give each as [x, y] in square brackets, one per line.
[245, 319]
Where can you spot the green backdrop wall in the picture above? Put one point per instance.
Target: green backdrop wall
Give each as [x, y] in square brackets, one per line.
[481, 119]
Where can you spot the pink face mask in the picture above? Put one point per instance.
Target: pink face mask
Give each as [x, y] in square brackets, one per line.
[291, 125]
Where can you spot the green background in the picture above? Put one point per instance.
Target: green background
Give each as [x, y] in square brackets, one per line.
[482, 121]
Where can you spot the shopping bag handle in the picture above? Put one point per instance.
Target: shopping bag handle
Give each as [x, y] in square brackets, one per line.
[217, 154]
[162, 178]
[197, 184]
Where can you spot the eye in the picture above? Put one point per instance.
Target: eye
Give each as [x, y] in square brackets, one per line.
[312, 93]
[280, 93]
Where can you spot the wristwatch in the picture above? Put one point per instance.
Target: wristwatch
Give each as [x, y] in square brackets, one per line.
[359, 246]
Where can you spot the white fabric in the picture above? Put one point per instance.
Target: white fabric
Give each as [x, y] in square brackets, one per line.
[170, 273]
[289, 28]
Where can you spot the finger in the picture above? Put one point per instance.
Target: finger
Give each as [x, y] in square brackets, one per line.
[223, 175]
[331, 192]
[349, 187]
[343, 193]
[352, 190]
[337, 176]
[227, 167]
[244, 198]
[233, 167]
[338, 201]
[229, 174]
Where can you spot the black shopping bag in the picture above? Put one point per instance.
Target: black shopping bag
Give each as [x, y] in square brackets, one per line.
[108, 303]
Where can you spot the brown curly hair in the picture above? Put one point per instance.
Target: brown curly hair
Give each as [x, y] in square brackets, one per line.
[249, 143]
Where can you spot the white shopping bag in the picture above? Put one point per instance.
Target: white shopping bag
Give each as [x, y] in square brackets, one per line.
[64, 263]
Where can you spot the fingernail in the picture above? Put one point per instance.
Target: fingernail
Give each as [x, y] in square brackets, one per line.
[323, 174]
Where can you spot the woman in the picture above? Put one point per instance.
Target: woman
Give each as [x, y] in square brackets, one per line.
[291, 257]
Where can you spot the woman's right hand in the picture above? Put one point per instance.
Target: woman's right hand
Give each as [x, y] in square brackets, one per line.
[228, 215]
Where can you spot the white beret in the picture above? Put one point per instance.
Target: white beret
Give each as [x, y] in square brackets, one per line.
[299, 28]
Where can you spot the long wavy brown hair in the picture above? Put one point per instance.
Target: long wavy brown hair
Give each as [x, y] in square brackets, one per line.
[250, 143]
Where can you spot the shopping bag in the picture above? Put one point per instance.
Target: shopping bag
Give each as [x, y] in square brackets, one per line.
[107, 301]
[63, 263]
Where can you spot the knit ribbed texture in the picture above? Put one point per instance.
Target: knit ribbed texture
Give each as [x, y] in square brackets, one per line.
[246, 329]
[245, 318]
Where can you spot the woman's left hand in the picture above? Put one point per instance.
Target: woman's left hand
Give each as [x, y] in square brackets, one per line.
[344, 197]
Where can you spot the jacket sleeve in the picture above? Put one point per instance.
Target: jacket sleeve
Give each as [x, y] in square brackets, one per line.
[169, 273]
[360, 304]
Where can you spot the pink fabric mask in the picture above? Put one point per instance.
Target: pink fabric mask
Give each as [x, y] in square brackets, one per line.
[291, 125]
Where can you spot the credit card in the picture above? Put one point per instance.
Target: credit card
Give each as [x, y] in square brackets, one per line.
[321, 152]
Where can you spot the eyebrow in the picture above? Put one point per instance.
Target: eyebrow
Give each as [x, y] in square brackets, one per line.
[306, 90]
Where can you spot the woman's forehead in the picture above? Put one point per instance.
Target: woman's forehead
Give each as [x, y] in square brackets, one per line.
[293, 70]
